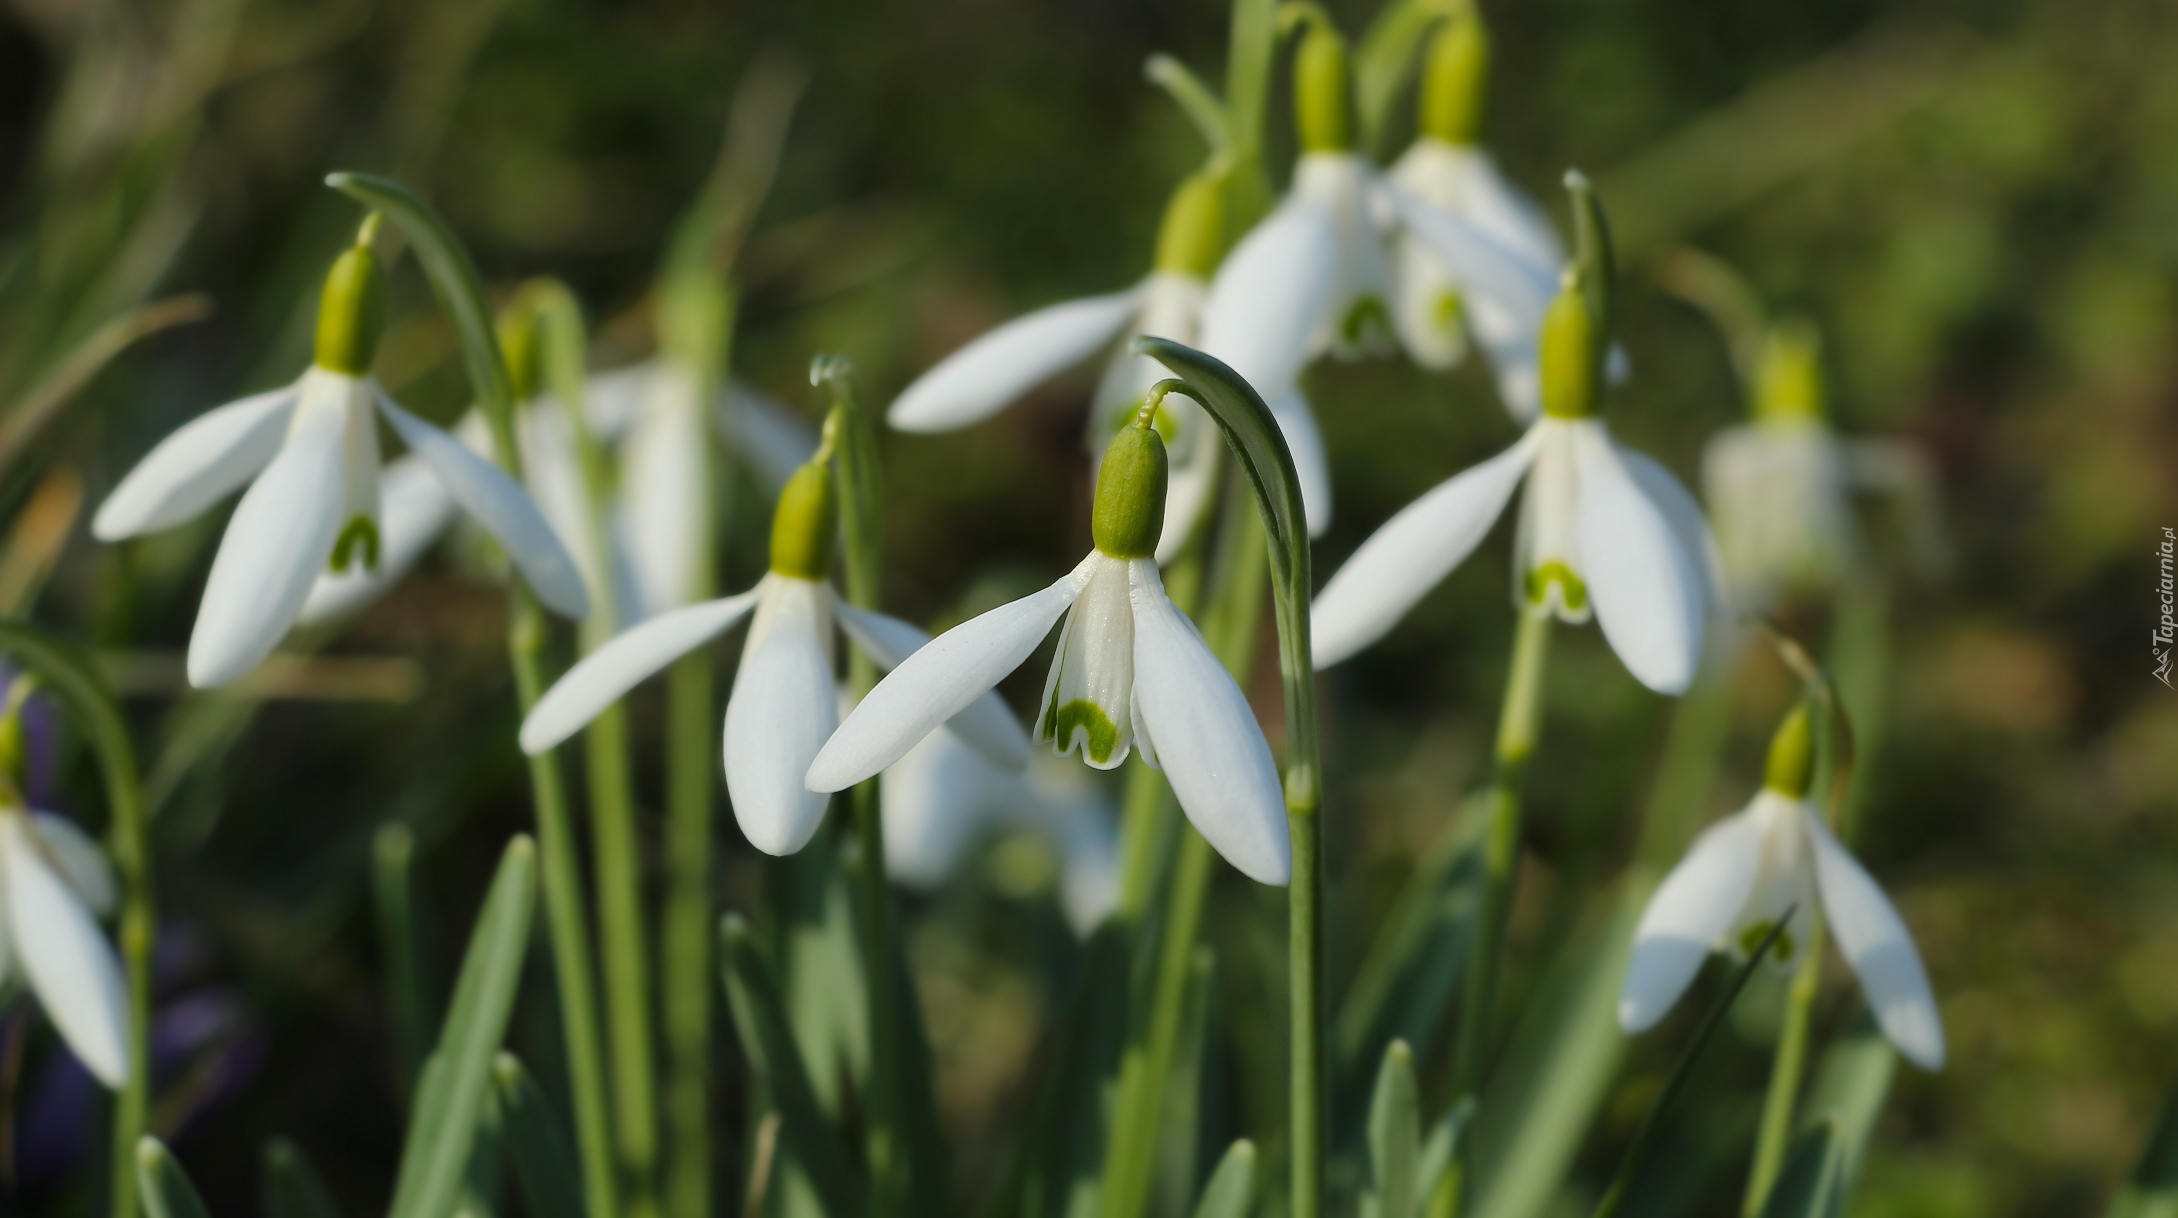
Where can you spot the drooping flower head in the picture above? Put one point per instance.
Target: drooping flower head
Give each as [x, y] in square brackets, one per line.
[1777, 860]
[309, 455]
[1131, 675]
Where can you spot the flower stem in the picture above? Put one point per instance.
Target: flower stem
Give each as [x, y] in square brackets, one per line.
[1786, 1071]
[1519, 723]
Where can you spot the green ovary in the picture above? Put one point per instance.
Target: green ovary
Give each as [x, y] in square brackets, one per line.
[1103, 733]
[361, 531]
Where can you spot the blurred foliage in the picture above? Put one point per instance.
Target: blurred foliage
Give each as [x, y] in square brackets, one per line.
[1976, 202]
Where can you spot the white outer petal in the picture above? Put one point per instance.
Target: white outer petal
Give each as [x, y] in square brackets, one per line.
[1413, 552]
[1645, 588]
[1693, 908]
[80, 860]
[414, 509]
[1272, 294]
[1211, 748]
[771, 440]
[939, 681]
[68, 961]
[1310, 464]
[1874, 940]
[499, 503]
[613, 401]
[278, 540]
[207, 459]
[1684, 515]
[977, 381]
[1485, 268]
[986, 724]
[612, 670]
[938, 799]
[782, 709]
[662, 501]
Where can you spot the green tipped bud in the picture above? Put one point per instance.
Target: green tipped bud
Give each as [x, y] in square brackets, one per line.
[1572, 358]
[1130, 509]
[351, 313]
[1789, 385]
[520, 341]
[1193, 234]
[1323, 95]
[1792, 755]
[807, 520]
[1453, 80]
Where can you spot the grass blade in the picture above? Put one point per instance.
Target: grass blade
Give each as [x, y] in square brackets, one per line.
[166, 1188]
[290, 1187]
[1395, 1134]
[1811, 1184]
[1232, 1186]
[544, 1161]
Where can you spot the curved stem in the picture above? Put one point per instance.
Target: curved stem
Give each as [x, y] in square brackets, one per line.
[129, 841]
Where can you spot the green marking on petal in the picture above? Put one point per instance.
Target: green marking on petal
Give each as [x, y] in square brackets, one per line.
[1447, 312]
[1571, 590]
[361, 531]
[1751, 938]
[1366, 318]
[1103, 733]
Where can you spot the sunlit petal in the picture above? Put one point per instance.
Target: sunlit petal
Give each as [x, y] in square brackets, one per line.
[208, 459]
[68, 961]
[1693, 908]
[620, 665]
[1874, 940]
[415, 509]
[663, 505]
[1272, 295]
[1310, 465]
[939, 798]
[80, 861]
[782, 709]
[986, 724]
[978, 380]
[1647, 591]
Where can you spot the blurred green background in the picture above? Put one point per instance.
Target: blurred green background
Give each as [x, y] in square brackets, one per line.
[1977, 202]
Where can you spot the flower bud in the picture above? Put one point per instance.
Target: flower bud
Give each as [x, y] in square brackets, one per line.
[1453, 79]
[1789, 385]
[1193, 234]
[806, 522]
[1572, 357]
[1130, 507]
[351, 313]
[1323, 90]
[1792, 755]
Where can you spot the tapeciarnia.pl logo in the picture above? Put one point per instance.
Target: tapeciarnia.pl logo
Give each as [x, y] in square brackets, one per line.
[2166, 629]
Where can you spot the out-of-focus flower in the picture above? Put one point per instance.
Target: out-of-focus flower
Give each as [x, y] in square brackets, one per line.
[1777, 859]
[1604, 531]
[54, 885]
[1131, 673]
[783, 704]
[309, 454]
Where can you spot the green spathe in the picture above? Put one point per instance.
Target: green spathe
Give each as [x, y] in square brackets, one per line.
[1572, 362]
[1130, 508]
[1792, 755]
[807, 520]
[351, 313]
[1453, 78]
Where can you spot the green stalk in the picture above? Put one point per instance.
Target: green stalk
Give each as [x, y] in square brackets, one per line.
[616, 868]
[1774, 1135]
[460, 291]
[1518, 725]
[1130, 1156]
[128, 840]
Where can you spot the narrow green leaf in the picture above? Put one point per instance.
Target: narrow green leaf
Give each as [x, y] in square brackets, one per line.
[1180, 1150]
[167, 1190]
[1395, 1134]
[393, 895]
[451, 1100]
[2152, 1190]
[1437, 1152]
[544, 1160]
[1811, 1183]
[1385, 59]
[769, 1043]
[290, 1187]
[1851, 1083]
[1197, 100]
[1232, 1186]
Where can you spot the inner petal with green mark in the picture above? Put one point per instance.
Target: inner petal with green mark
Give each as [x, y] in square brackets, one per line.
[361, 533]
[1089, 696]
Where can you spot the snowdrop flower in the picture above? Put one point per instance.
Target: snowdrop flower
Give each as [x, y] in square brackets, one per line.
[988, 374]
[1781, 488]
[783, 704]
[55, 883]
[943, 796]
[309, 455]
[1446, 169]
[1744, 873]
[1131, 673]
[1604, 531]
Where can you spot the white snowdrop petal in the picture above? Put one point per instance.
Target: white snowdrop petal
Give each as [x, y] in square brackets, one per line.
[499, 503]
[782, 709]
[68, 962]
[1310, 466]
[613, 401]
[80, 860]
[1646, 591]
[1484, 268]
[975, 382]
[938, 799]
[414, 509]
[1874, 940]
[1685, 517]
[1088, 844]
[986, 723]
[771, 440]
[662, 498]
[939, 680]
[620, 665]
[204, 461]
[1211, 747]
[1272, 295]
[1413, 552]
[276, 543]
[1693, 908]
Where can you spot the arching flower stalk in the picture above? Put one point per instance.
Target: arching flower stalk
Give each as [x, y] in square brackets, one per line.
[1131, 674]
[309, 455]
[1745, 872]
[784, 703]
